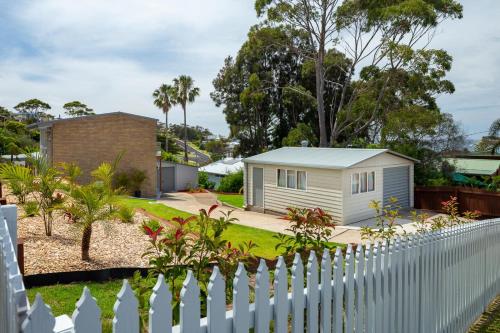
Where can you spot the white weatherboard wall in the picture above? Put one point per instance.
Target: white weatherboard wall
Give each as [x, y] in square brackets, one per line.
[356, 205]
[323, 190]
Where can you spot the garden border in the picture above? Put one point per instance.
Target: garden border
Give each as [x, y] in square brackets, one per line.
[99, 275]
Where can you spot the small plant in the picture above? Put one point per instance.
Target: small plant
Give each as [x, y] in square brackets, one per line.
[452, 218]
[311, 228]
[125, 214]
[30, 208]
[385, 221]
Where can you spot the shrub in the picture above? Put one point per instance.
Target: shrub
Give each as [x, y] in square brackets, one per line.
[203, 181]
[169, 157]
[30, 208]
[385, 221]
[232, 183]
[122, 180]
[137, 177]
[125, 214]
[311, 228]
[195, 243]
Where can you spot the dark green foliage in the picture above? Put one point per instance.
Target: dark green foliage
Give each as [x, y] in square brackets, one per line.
[298, 134]
[130, 180]
[203, 181]
[194, 133]
[232, 183]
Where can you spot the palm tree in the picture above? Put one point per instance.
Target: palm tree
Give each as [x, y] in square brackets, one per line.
[185, 92]
[164, 100]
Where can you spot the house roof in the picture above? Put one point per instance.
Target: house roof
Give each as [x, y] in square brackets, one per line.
[323, 158]
[118, 113]
[474, 166]
[223, 167]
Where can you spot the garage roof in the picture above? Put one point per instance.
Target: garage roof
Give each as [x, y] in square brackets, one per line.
[474, 166]
[324, 158]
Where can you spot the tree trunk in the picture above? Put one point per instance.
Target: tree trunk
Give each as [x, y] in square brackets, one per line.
[185, 135]
[87, 234]
[320, 90]
[166, 130]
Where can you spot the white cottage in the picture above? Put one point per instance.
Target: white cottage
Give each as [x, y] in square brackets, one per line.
[341, 181]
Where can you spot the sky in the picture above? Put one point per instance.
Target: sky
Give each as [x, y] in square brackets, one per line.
[112, 54]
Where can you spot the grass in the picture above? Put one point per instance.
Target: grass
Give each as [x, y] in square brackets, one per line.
[489, 322]
[235, 233]
[235, 200]
[62, 298]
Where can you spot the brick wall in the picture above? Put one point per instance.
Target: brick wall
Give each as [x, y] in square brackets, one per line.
[90, 141]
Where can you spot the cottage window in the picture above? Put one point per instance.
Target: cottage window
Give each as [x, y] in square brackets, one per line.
[281, 177]
[371, 181]
[363, 182]
[301, 180]
[290, 178]
[355, 183]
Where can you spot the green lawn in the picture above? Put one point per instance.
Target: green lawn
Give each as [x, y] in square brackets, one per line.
[236, 234]
[235, 200]
[62, 298]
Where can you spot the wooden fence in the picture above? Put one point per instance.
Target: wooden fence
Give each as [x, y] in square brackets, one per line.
[437, 282]
[469, 199]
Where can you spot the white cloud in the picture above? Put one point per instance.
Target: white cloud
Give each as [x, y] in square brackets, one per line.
[111, 54]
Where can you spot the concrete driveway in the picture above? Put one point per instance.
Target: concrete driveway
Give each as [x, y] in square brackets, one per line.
[192, 202]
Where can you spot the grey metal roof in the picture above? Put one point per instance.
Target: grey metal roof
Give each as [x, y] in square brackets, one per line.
[324, 158]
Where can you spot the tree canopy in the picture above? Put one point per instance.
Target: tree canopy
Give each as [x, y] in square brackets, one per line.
[34, 110]
[77, 109]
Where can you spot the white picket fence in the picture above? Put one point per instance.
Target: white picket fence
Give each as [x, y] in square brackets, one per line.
[13, 301]
[438, 282]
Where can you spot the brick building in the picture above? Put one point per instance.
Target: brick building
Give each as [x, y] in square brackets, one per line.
[88, 141]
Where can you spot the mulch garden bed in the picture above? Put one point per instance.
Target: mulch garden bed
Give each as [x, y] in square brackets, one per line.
[114, 244]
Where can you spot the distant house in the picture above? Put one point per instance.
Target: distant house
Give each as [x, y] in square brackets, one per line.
[88, 141]
[476, 165]
[340, 181]
[218, 170]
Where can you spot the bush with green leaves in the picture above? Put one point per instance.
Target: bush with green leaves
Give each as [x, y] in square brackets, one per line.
[386, 218]
[203, 181]
[193, 243]
[125, 214]
[311, 227]
[232, 183]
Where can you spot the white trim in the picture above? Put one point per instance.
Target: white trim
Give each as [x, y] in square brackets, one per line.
[359, 182]
[276, 184]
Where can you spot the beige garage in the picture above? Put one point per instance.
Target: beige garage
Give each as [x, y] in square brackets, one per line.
[341, 181]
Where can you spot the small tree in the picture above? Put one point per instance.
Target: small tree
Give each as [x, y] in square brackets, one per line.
[91, 203]
[386, 218]
[39, 185]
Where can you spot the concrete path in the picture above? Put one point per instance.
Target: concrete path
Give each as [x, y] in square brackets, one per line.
[193, 202]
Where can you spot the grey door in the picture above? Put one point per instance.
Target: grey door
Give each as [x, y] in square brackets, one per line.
[168, 179]
[397, 184]
[258, 187]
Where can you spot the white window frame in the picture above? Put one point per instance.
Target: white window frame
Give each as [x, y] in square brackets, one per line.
[278, 178]
[358, 174]
[296, 174]
[297, 179]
